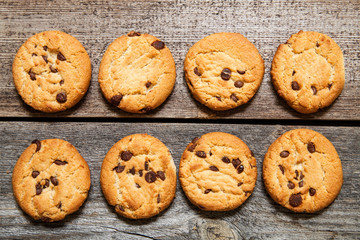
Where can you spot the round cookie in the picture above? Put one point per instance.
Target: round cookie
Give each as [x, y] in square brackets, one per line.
[137, 72]
[223, 70]
[51, 71]
[138, 176]
[217, 172]
[50, 180]
[302, 171]
[308, 71]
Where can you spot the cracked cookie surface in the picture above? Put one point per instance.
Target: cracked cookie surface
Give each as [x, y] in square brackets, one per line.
[51, 71]
[137, 73]
[138, 176]
[217, 172]
[223, 70]
[50, 180]
[308, 71]
[302, 171]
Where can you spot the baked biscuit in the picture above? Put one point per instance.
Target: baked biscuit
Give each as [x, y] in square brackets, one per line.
[50, 180]
[51, 71]
[217, 172]
[223, 70]
[302, 171]
[138, 176]
[308, 71]
[137, 73]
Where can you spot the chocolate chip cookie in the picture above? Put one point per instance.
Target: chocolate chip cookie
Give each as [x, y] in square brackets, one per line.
[51, 71]
[302, 171]
[308, 71]
[217, 172]
[138, 176]
[137, 72]
[223, 70]
[50, 180]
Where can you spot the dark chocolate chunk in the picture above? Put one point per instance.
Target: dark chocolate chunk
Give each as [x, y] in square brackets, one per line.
[196, 71]
[146, 166]
[61, 82]
[295, 200]
[282, 169]
[59, 205]
[213, 168]
[145, 110]
[32, 75]
[45, 58]
[225, 160]
[134, 34]
[301, 184]
[137, 185]
[239, 184]
[295, 86]
[61, 57]
[161, 175]
[38, 189]
[241, 72]
[291, 185]
[150, 177]
[284, 154]
[45, 48]
[119, 207]
[240, 169]
[311, 147]
[314, 90]
[158, 198]
[312, 191]
[140, 173]
[38, 145]
[207, 191]
[236, 162]
[225, 74]
[132, 171]
[234, 97]
[201, 154]
[148, 84]
[54, 70]
[115, 100]
[126, 155]
[61, 97]
[59, 162]
[238, 84]
[158, 45]
[34, 174]
[54, 181]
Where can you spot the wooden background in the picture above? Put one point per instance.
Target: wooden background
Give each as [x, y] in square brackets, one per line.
[93, 126]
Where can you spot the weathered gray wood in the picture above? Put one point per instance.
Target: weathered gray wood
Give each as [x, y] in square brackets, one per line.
[258, 218]
[180, 23]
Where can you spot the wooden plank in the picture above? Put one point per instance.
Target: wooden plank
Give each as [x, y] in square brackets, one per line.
[258, 218]
[180, 24]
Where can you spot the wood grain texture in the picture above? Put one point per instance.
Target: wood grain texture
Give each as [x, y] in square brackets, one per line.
[181, 23]
[258, 218]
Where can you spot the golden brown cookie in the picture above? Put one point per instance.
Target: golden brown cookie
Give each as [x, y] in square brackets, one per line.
[302, 171]
[50, 180]
[308, 71]
[223, 70]
[51, 71]
[137, 72]
[217, 172]
[138, 176]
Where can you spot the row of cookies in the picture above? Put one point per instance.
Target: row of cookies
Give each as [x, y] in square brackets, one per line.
[52, 71]
[301, 171]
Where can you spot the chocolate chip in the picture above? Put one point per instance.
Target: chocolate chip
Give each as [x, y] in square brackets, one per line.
[207, 191]
[252, 153]
[247, 192]
[158, 198]
[132, 171]
[45, 59]
[225, 74]
[201, 154]
[150, 177]
[32, 75]
[45, 219]
[196, 71]
[297, 174]
[119, 207]
[126, 155]
[115, 100]
[59, 162]
[317, 44]
[295, 86]
[293, 72]
[38, 189]
[119, 168]
[34, 55]
[161, 175]
[314, 90]
[330, 85]
[301, 184]
[54, 181]
[281, 169]
[45, 48]
[225, 160]
[238, 84]
[213, 168]
[54, 70]
[61, 97]
[241, 72]
[284, 154]
[218, 98]
[210, 153]
[59, 205]
[158, 44]
[137, 185]
[240, 169]
[236, 162]
[291, 185]
[47, 183]
[195, 140]
[312, 191]
[201, 206]
[146, 166]
[140, 173]
[239, 184]
[61, 82]
[34, 174]
[311, 147]
[61, 57]
[301, 175]
[295, 200]
[191, 147]
[38, 145]
[148, 84]
[233, 97]
[134, 34]
[145, 110]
